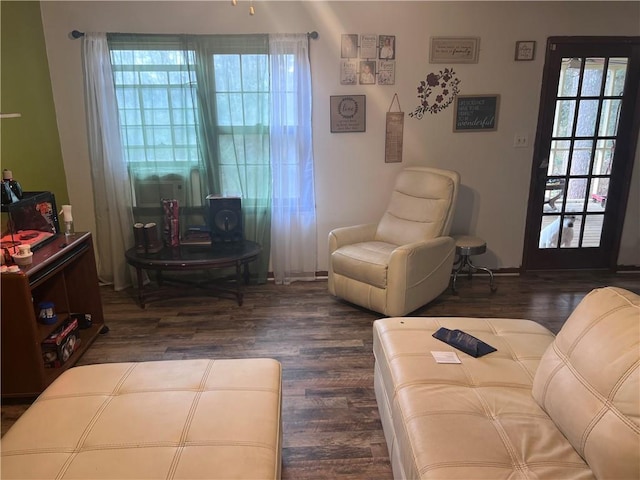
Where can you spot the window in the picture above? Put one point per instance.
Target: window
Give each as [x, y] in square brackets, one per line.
[242, 96]
[194, 111]
[199, 115]
[157, 112]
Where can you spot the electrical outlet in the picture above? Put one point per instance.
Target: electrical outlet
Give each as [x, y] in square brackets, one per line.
[520, 141]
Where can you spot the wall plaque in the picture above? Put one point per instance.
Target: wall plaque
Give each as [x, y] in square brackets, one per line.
[348, 113]
[474, 113]
[454, 50]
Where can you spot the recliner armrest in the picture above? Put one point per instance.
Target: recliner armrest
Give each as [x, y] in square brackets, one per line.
[417, 273]
[426, 257]
[339, 237]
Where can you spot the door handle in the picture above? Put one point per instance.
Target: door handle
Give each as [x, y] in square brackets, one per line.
[544, 163]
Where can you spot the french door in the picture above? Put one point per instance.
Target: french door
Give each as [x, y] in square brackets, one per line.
[584, 153]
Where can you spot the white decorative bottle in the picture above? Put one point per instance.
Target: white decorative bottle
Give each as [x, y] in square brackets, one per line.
[68, 219]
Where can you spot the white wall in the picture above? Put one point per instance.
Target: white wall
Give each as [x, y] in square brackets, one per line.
[352, 179]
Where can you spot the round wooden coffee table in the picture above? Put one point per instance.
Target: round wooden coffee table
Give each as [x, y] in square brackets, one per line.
[190, 257]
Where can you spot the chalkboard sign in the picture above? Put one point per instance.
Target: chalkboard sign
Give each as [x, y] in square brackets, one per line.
[475, 113]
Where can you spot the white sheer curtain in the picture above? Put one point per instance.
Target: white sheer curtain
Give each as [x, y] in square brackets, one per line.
[293, 216]
[111, 186]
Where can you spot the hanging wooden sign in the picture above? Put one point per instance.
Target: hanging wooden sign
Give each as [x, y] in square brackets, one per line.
[394, 133]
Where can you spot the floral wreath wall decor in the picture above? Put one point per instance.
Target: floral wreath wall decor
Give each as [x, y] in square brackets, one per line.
[436, 92]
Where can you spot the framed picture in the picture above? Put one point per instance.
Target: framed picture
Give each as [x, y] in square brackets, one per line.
[525, 50]
[348, 72]
[387, 46]
[454, 50]
[348, 113]
[368, 45]
[386, 72]
[367, 72]
[476, 113]
[349, 45]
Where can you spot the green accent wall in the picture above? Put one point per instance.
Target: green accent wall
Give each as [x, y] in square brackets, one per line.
[29, 145]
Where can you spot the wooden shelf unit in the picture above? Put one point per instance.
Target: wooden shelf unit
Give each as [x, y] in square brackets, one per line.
[63, 272]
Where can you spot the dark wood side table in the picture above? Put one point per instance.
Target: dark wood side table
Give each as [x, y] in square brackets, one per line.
[190, 257]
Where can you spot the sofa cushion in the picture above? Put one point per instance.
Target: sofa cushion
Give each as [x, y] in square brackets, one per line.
[588, 382]
[365, 262]
[475, 419]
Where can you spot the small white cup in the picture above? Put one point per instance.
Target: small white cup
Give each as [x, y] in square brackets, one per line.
[24, 249]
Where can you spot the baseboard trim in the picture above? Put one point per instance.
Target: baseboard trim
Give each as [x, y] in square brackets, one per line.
[505, 272]
[501, 272]
[318, 276]
[628, 269]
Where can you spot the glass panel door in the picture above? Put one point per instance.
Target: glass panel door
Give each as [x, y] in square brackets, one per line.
[577, 176]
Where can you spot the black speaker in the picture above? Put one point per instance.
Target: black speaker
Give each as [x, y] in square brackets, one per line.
[225, 219]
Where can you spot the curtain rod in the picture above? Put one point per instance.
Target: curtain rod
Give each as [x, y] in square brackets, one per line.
[77, 34]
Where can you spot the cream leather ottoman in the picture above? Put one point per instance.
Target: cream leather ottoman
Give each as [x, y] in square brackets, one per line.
[184, 419]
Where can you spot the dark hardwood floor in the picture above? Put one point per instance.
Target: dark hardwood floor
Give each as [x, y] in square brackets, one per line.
[331, 427]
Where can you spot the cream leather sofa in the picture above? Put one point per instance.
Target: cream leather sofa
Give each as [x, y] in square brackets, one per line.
[178, 419]
[538, 408]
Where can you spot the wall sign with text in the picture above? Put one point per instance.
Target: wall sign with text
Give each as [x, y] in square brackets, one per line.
[454, 49]
[475, 113]
[348, 113]
[525, 50]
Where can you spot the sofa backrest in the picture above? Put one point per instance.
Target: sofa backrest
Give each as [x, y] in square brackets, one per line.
[588, 381]
[421, 206]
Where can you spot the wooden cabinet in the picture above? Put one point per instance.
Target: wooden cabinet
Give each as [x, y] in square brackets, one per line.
[63, 272]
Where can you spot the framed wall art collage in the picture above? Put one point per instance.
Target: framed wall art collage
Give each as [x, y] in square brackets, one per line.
[367, 59]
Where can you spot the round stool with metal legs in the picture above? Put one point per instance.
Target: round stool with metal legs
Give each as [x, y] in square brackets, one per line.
[465, 247]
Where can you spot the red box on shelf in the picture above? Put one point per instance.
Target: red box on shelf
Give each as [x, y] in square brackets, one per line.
[60, 345]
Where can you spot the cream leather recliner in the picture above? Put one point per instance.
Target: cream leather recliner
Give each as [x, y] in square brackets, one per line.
[404, 261]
